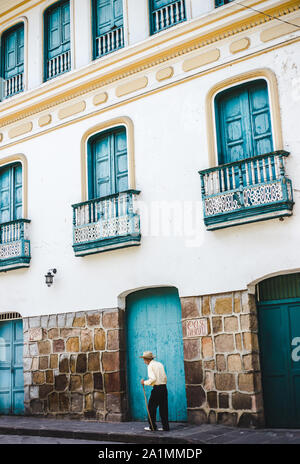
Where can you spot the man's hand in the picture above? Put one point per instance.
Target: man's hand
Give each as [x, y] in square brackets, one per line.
[142, 381]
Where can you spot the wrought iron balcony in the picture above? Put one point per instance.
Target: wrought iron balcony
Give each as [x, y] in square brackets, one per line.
[249, 190]
[167, 16]
[106, 223]
[14, 245]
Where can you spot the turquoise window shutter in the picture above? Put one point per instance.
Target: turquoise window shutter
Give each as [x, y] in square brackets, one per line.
[109, 14]
[108, 164]
[11, 193]
[57, 39]
[13, 46]
[243, 122]
[58, 28]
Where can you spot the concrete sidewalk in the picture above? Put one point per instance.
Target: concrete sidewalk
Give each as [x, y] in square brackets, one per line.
[133, 432]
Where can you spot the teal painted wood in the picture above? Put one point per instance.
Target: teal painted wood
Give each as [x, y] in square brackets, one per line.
[13, 49]
[243, 122]
[250, 190]
[279, 336]
[280, 287]
[57, 39]
[153, 322]
[10, 193]
[11, 367]
[165, 14]
[222, 2]
[108, 164]
[106, 223]
[108, 34]
[14, 245]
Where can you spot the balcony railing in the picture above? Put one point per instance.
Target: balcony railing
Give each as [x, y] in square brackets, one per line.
[109, 42]
[13, 85]
[249, 190]
[59, 65]
[106, 223]
[168, 16]
[14, 245]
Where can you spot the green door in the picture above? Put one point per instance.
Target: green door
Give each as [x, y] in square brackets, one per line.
[279, 334]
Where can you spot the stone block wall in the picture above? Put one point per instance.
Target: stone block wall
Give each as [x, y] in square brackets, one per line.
[74, 365]
[222, 368]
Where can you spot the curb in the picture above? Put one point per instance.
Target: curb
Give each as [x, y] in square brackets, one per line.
[97, 436]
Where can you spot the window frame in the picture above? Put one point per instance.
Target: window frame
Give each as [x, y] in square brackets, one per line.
[91, 161]
[15, 27]
[12, 200]
[47, 11]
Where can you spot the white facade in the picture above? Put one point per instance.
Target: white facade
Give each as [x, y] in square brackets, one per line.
[171, 139]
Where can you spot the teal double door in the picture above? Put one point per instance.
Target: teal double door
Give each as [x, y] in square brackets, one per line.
[153, 323]
[279, 330]
[11, 367]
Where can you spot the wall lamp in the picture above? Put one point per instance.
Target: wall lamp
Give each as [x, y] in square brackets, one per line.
[49, 276]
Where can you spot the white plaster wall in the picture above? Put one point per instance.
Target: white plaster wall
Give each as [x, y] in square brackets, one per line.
[170, 147]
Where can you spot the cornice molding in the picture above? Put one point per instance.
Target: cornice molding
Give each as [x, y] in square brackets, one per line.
[95, 82]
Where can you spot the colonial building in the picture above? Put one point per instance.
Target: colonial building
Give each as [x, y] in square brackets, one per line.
[149, 200]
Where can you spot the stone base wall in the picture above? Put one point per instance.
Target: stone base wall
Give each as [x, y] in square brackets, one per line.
[222, 368]
[74, 365]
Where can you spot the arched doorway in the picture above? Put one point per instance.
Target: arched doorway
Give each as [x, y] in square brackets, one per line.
[11, 366]
[153, 322]
[279, 336]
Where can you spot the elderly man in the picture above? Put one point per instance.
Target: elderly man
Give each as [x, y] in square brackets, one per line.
[159, 395]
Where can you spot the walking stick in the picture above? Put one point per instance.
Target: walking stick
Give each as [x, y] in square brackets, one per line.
[150, 421]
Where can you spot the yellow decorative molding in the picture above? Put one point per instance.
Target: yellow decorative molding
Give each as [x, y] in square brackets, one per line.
[131, 86]
[45, 120]
[23, 160]
[270, 77]
[70, 110]
[1, 137]
[164, 73]
[201, 60]
[239, 45]
[121, 121]
[121, 103]
[21, 129]
[93, 73]
[100, 98]
[279, 30]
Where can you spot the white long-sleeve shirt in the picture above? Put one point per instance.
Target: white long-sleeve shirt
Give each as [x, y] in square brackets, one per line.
[156, 374]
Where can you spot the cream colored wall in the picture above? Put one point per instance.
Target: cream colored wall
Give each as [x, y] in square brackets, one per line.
[171, 143]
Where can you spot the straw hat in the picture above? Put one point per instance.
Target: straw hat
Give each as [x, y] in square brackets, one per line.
[147, 355]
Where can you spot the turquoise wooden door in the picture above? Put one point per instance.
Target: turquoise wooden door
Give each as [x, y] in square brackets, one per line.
[11, 367]
[243, 122]
[11, 193]
[279, 334]
[154, 323]
[108, 165]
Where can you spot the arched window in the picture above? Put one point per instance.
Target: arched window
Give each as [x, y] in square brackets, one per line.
[107, 163]
[57, 39]
[12, 59]
[243, 122]
[11, 193]
[108, 26]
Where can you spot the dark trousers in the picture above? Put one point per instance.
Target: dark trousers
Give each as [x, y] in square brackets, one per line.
[159, 398]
